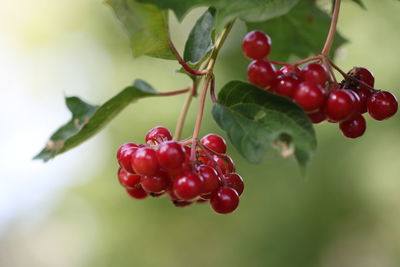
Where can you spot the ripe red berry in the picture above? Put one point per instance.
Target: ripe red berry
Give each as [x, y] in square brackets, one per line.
[137, 192]
[382, 105]
[339, 105]
[256, 45]
[365, 76]
[309, 96]
[286, 85]
[128, 180]
[187, 186]
[291, 70]
[158, 135]
[314, 73]
[364, 93]
[156, 183]
[124, 156]
[233, 180]
[223, 165]
[224, 200]
[209, 178]
[170, 155]
[317, 117]
[144, 161]
[353, 128]
[214, 142]
[261, 73]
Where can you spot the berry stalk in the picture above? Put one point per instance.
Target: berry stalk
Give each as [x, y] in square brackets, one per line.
[331, 34]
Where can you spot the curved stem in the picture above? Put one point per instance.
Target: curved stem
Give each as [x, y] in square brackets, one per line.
[176, 92]
[183, 63]
[212, 90]
[184, 112]
[329, 40]
[346, 76]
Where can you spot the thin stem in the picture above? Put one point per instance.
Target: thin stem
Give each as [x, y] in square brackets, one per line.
[212, 90]
[346, 76]
[176, 92]
[183, 63]
[313, 58]
[184, 112]
[332, 29]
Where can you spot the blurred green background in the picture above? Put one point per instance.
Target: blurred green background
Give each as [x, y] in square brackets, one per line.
[72, 211]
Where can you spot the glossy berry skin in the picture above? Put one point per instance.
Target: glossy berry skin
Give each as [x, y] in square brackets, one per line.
[357, 104]
[317, 117]
[170, 155]
[314, 73]
[233, 180]
[214, 142]
[261, 73]
[353, 128]
[309, 96]
[224, 200]
[364, 94]
[124, 156]
[290, 70]
[157, 135]
[382, 105]
[209, 178]
[155, 184]
[187, 186]
[339, 106]
[286, 85]
[128, 180]
[364, 75]
[145, 162]
[256, 45]
[137, 192]
[223, 165]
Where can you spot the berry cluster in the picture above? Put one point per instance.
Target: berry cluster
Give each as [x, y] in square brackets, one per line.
[313, 88]
[163, 166]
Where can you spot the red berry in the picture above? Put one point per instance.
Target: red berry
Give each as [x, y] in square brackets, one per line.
[137, 192]
[317, 117]
[209, 178]
[223, 165]
[187, 186]
[286, 85]
[124, 156]
[364, 94]
[156, 183]
[256, 45]
[309, 96]
[158, 135]
[170, 155]
[357, 104]
[261, 73]
[128, 180]
[339, 105]
[382, 105]
[224, 200]
[314, 73]
[233, 180]
[214, 142]
[365, 76]
[291, 70]
[353, 128]
[145, 162]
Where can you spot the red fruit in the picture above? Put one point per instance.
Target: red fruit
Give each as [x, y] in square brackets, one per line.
[357, 104]
[224, 200]
[365, 76]
[170, 155]
[382, 105]
[158, 135]
[317, 117]
[235, 181]
[309, 96]
[155, 184]
[353, 128]
[128, 180]
[314, 73]
[364, 94]
[286, 85]
[145, 162]
[223, 165]
[180, 203]
[137, 192]
[256, 45]
[340, 105]
[124, 156]
[261, 73]
[187, 186]
[291, 70]
[209, 178]
[214, 142]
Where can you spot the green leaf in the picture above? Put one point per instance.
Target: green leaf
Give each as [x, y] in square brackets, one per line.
[227, 10]
[255, 120]
[147, 27]
[360, 3]
[300, 33]
[87, 120]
